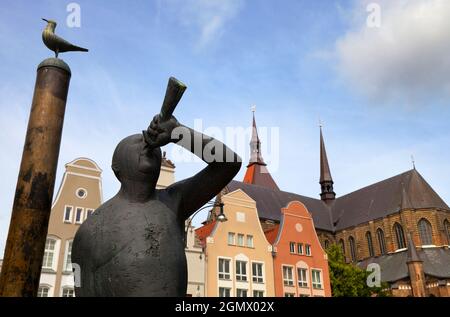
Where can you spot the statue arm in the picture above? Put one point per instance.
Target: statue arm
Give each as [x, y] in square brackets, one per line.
[223, 164]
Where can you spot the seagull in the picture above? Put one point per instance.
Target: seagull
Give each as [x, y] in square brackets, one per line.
[55, 43]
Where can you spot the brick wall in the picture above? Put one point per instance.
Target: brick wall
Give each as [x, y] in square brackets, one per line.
[408, 219]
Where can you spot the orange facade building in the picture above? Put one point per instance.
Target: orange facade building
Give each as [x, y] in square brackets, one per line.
[300, 264]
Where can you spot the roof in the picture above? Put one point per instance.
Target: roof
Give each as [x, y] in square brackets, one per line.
[369, 203]
[269, 203]
[204, 231]
[258, 174]
[272, 233]
[384, 198]
[394, 266]
[166, 162]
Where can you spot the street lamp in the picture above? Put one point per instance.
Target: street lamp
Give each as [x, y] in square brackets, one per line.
[220, 217]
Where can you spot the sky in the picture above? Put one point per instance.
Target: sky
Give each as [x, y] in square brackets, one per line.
[378, 81]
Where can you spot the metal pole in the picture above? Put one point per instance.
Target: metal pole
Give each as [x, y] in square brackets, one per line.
[34, 191]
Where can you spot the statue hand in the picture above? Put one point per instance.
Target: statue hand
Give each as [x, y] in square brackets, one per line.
[159, 133]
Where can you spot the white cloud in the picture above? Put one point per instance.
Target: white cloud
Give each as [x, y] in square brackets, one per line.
[207, 17]
[407, 59]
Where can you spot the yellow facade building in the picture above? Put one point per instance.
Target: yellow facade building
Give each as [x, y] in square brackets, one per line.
[79, 194]
[238, 258]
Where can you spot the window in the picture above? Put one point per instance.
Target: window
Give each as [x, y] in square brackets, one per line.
[258, 294]
[369, 243]
[342, 244]
[49, 254]
[327, 244]
[69, 257]
[250, 241]
[351, 242]
[292, 247]
[240, 217]
[81, 193]
[302, 277]
[231, 238]
[224, 269]
[381, 241]
[300, 248]
[425, 232]
[400, 236]
[287, 276]
[289, 295]
[240, 239]
[43, 291]
[257, 272]
[68, 292]
[68, 214]
[447, 230]
[241, 292]
[241, 271]
[307, 249]
[79, 215]
[224, 292]
[89, 212]
[316, 279]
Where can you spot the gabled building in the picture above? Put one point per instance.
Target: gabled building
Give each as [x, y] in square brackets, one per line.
[195, 258]
[369, 224]
[79, 194]
[300, 263]
[237, 254]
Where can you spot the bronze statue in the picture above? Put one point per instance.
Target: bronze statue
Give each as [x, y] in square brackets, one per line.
[132, 245]
[55, 43]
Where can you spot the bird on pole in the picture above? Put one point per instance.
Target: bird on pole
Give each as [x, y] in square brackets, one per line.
[56, 43]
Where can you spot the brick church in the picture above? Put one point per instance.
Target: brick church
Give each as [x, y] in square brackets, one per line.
[400, 223]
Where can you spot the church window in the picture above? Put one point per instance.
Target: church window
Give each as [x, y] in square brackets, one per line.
[400, 236]
[425, 232]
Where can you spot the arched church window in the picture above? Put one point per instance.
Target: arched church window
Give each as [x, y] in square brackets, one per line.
[381, 241]
[425, 232]
[370, 243]
[447, 230]
[351, 242]
[400, 236]
[342, 244]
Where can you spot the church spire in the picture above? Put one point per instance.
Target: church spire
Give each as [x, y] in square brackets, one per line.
[255, 145]
[257, 172]
[326, 181]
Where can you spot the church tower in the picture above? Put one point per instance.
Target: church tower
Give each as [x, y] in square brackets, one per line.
[326, 181]
[257, 172]
[415, 269]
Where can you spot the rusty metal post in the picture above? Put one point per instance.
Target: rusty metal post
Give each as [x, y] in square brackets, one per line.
[34, 191]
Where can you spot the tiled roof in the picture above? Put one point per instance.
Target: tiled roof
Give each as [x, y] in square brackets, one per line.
[361, 206]
[258, 174]
[384, 198]
[272, 233]
[269, 203]
[204, 231]
[394, 266]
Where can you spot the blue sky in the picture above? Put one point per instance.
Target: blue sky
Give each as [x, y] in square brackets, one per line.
[381, 93]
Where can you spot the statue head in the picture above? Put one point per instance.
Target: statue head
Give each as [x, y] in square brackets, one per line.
[134, 161]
